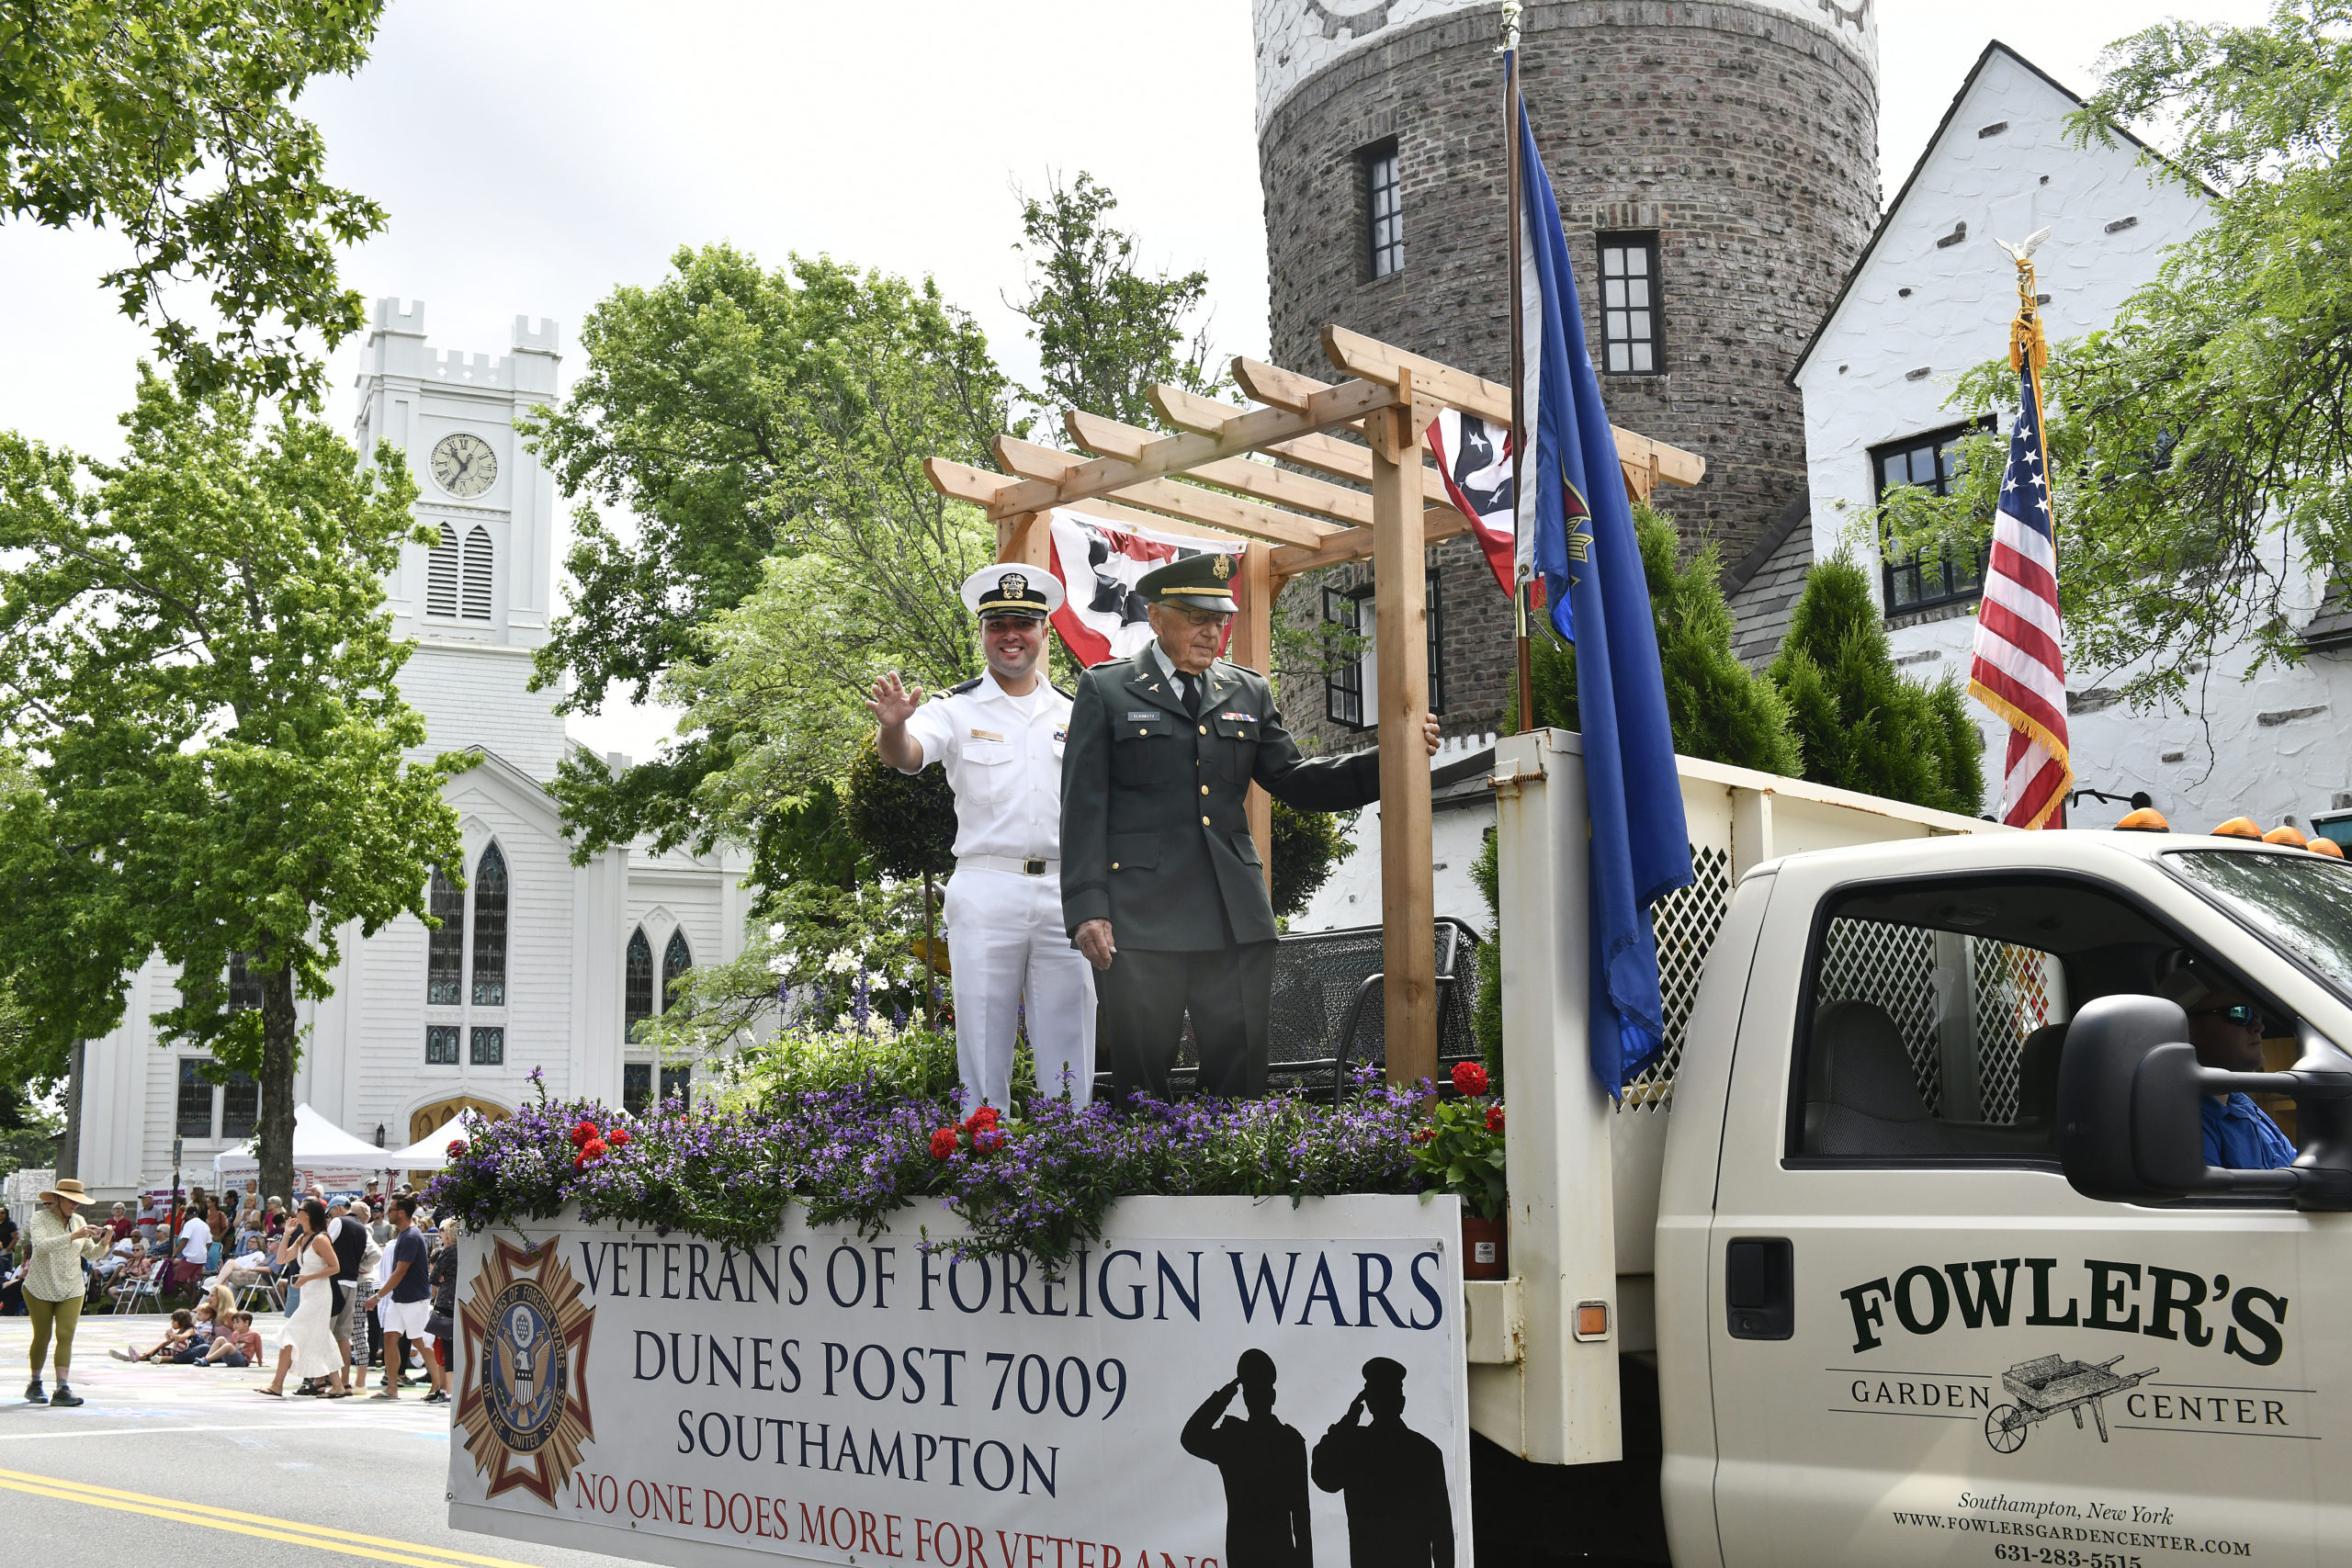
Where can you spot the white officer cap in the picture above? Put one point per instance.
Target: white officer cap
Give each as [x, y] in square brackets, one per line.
[1012, 586]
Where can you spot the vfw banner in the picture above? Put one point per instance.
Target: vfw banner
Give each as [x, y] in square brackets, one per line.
[1220, 1384]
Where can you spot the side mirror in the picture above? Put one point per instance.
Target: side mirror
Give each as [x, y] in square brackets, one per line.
[2129, 1098]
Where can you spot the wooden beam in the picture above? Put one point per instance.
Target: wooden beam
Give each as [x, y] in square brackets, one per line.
[1347, 508]
[1324, 453]
[1273, 384]
[1174, 454]
[1370, 359]
[1400, 640]
[961, 482]
[1253, 648]
[1042, 467]
[1439, 523]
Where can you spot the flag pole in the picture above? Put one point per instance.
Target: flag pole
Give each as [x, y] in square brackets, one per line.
[2028, 353]
[1518, 415]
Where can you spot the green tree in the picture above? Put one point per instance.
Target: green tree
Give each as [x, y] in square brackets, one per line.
[2201, 457]
[1720, 709]
[195, 653]
[172, 122]
[1106, 331]
[1862, 725]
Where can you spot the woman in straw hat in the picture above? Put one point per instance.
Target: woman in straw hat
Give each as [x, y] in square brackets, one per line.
[53, 1281]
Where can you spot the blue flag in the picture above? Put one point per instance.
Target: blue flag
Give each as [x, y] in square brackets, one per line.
[1579, 540]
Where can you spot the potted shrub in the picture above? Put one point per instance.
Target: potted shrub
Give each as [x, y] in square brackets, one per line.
[1461, 1152]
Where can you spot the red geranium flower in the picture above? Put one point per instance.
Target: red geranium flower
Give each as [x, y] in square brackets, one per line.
[1493, 1119]
[618, 1137]
[943, 1143]
[988, 1139]
[593, 1150]
[985, 1116]
[456, 1147]
[583, 1131]
[1423, 1134]
[1469, 1078]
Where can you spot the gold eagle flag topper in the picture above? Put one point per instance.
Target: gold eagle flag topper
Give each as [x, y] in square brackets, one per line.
[522, 1387]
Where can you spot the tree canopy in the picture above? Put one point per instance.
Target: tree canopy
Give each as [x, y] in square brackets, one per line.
[2199, 446]
[198, 664]
[172, 121]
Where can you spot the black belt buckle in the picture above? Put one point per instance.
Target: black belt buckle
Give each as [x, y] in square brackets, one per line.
[1033, 867]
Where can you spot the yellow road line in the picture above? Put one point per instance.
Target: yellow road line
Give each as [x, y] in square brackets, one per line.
[260, 1525]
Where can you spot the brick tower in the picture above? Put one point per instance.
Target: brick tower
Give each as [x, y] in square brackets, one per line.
[1716, 159]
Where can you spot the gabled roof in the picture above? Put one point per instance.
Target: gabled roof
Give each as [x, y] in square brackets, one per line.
[1934, 141]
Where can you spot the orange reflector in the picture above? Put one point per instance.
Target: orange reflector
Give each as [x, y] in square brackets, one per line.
[2238, 827]
[2325, 847]
[1592, 1320]
[2284, 835]
[2147, 819]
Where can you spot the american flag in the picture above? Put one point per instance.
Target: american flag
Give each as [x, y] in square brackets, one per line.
[2018, 669]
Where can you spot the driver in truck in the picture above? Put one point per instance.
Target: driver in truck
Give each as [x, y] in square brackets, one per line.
[2226, 1029]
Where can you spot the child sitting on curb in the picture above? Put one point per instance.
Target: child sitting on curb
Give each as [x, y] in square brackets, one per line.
[183, 1329]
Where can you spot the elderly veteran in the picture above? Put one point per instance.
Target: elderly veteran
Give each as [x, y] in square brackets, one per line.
[1000, 737]
[1162, 889]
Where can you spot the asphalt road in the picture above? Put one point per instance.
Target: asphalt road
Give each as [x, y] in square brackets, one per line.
[181, 1466]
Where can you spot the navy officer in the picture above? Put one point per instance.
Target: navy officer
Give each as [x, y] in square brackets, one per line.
[1001, 738]
[1161, 885]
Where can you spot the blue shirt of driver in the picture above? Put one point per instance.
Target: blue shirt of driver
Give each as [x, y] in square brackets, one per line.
[2240, 1135]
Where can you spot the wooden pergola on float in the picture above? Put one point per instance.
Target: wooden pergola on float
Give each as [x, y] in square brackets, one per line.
[1292, 523]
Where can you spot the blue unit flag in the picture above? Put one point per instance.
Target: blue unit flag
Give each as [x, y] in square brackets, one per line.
[1576, 534]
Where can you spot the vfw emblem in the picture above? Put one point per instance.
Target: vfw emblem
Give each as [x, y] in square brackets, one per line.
[522, 1391]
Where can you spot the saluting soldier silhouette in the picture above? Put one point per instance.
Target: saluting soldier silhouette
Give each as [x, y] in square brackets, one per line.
[1264, 1465]
[1399, 1512]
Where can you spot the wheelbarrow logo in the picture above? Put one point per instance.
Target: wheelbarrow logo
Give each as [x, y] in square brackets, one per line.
[2048, 1384]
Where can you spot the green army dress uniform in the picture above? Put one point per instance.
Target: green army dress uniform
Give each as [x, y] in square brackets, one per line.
[1156, 840]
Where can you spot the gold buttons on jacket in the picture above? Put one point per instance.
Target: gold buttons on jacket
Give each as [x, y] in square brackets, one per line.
[1204, 821]
[1204, 729]
[1204, 789]
[1114, 865]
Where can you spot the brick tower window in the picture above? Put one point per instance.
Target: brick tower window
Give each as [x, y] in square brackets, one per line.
[1629, 305]
[1383, 209]
[1352, 669]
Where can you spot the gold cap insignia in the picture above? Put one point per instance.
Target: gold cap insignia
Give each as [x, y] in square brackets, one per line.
[1222, 565]
[1013, 585]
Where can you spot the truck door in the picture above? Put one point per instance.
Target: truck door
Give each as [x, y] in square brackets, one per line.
[1924, 1345]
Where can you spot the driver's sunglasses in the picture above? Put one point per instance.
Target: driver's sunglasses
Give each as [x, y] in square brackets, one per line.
[2241, 1013]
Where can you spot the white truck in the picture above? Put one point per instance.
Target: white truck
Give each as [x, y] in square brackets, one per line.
[1908, 1253]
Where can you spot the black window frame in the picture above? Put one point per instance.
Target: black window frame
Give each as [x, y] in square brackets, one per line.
[492, 888]
[240, 1106]
[636, 1086]
[678, 1083]
[1383, 209]
[192, 1080]
[442, 1041]
[1345, 701]
[1618, 307]
[677, 957]
[1950, 586]
[486, 1045]
[445, 945]
[637, 984]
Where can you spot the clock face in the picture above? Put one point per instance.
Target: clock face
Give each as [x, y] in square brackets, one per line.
[464, 465]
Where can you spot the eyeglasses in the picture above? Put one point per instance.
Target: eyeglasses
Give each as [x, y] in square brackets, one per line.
[2241, 1013]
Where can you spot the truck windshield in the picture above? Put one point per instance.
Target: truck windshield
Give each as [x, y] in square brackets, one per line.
[2299, 903]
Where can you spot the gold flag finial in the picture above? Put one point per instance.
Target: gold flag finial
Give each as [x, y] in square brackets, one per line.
[2026, 341]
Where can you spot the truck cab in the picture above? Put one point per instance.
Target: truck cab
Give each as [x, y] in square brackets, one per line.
[1936, 1269]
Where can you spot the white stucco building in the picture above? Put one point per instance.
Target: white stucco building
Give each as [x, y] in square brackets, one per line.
[1931, 295]
[539, 964]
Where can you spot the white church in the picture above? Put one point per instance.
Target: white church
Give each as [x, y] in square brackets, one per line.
[538, 964]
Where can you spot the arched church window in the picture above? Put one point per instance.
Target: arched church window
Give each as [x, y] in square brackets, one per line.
[490, 929]
[676, 959]
[444, 948]
[477, 574]
[441, 575]
[637, 991]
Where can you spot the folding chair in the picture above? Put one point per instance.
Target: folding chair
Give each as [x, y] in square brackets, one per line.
[127, 1294]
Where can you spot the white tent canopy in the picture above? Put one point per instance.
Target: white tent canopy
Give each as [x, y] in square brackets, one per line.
[319, 1144]
[431, 1152]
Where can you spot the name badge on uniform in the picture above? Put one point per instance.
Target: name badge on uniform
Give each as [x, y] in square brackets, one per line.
[1139, 717]
[986, 735]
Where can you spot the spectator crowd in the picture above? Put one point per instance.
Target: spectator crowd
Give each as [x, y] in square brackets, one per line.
[380, 1278]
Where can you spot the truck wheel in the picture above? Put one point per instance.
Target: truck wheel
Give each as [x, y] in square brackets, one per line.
[2005, 1428]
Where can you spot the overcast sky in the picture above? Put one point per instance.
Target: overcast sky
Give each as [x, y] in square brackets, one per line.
[534, 155]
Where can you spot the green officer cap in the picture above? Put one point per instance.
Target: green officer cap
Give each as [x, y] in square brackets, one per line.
[1201, 581]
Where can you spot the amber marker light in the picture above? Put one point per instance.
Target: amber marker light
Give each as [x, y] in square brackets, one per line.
[2285, 837]
[2238, 827]
[1592, 1321]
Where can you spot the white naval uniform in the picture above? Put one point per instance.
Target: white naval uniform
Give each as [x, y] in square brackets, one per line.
[1005, 937]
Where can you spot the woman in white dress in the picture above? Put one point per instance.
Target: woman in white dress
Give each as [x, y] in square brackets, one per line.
[309, 1349]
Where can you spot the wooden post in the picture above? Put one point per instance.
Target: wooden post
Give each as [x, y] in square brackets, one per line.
[1253, 648]
[1026, 536]
[1400, 639]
